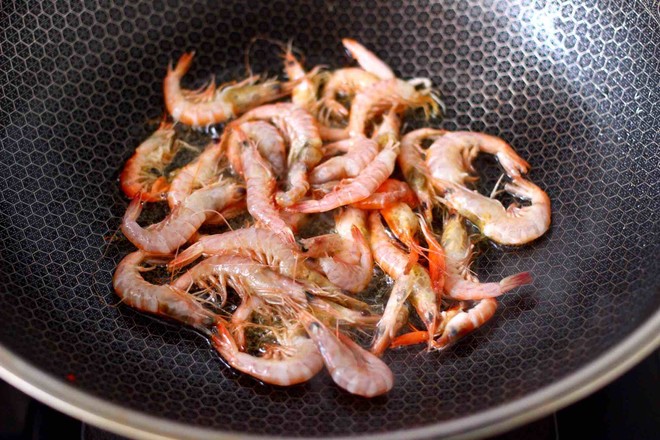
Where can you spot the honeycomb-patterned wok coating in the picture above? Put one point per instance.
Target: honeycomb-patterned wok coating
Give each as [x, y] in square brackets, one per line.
[573, 86]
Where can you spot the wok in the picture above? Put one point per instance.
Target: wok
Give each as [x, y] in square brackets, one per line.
[572, 85]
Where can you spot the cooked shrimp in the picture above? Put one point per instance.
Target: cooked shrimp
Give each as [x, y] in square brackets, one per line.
[261, 185]
[304, 92]
[223, 104]
[247, 277]
[177, 228]
[390, 192]
[342, 84]
[515, 225]
[465, 322]
[163, 300]
[394, 262]
[301, 132]
[389, 129]
[334, 314]
[345, 257]
[295, 360]
[351, 367]
[367, 59]
[394, 316]
[359, 188]
[266, 247]
[362, 152]
[414, 169]
[198, 173]
[269, 141]
[405, 225]
[394, 94]
[436, 257]
[450, 156]
[460, 283]
[144, 171]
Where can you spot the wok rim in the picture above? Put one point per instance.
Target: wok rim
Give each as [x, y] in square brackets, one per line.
[136, 424]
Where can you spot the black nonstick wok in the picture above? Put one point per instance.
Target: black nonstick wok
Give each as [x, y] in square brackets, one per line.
[573, 86]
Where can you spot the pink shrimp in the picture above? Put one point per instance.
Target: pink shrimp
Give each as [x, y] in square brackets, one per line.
[390, 192]
[403, 222]
[247, 277]
[345, 257]
[304, 92]
[358, 188]
[362, 152]
[266, 247]
[436, 257]
[294, 360]
[394, 316]
[465, 322]
[414, 169]
[224, 103]
[261, 185]
[166, 237]
[343, 83]
[269, 142]
[351, 367]
[367, 59]
[198, 173]
[460, 283]
[394, 262]
[155, 153]
[394, 94]
[515, 225]
[162, 300]
[301, 132]
[450, 156]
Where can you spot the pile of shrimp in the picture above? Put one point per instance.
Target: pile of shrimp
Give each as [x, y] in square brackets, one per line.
[280, 307]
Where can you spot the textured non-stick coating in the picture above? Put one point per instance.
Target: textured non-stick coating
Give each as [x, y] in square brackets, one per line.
[573, 86]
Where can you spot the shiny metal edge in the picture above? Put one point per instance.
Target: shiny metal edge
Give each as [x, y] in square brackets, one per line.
[131, 423]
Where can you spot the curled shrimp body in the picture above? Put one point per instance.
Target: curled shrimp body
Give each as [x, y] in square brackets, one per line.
[465, 322]
[367, 59]
[415, 171]
[392, 191]
[247, 277]
[345, 257]
[450, 156]
[515, 225]
[394, 262]
[198, 173]
[180, 225]
[269, 142]
[155, 153]
[361, 153]
[393, 94]
[268, 248]
[359, 188]
[261, 185]
[222, 104]
[163, 300]
[302, 135]
[294, 360]
[351, 367]
[460, 283]
[342, 84]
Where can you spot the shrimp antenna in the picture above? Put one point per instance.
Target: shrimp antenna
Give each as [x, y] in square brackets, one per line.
[284, 46]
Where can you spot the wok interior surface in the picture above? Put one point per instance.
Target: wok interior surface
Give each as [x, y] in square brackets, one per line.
[573, 86]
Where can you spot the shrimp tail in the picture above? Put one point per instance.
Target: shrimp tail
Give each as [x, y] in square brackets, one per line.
[517, 280]
[410, 338]
[183, 65]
